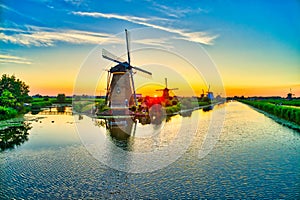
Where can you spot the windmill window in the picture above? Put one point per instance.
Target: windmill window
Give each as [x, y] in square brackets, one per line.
[118, 90]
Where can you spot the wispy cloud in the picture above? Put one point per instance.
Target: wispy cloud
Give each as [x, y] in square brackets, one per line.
[4, 59]
[133, 19]
[200, 37]
[41, 36]
[154, 42]
[9, 9]
[174, 12]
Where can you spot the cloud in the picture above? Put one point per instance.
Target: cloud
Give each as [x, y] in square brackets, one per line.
[41, 36]
[4, 59]
[9, 9]
[154, 42]
[174, 12]
[115, 16]
[199, 37]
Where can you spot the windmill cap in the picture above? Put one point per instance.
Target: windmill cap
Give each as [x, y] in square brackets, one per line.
[119, 68]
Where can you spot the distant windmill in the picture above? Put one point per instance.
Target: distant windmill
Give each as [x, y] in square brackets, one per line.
[202, 95]
[120, 84]
[290, 95]
[166, 90]
[210, 95]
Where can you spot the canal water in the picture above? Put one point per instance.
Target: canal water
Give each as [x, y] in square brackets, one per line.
[250, 157]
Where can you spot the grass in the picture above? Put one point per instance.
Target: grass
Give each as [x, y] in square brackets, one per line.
[288, 113]
[87, 105]
[294, 102]
[172, 109]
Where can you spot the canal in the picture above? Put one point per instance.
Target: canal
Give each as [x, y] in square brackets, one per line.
[77, 157]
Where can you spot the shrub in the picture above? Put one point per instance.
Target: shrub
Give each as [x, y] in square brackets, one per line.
[7, 113]
[40, 104]
[297, 116]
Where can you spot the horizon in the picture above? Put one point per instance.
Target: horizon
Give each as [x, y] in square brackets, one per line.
[253, 47]
[152, 96]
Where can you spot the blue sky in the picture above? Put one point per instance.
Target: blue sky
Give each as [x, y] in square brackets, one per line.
[255, 45]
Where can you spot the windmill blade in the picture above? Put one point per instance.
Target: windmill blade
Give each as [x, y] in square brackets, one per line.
[174, 89]
[133, 87]
[109, 56]
[140, 73]
[142, 70]
[127, 45]
[160, 90]
[134, 129]
[166, 82]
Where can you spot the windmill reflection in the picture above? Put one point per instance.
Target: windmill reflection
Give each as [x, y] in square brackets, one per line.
[208, 108]
[14, 136]
[122, 130]
[157, 115]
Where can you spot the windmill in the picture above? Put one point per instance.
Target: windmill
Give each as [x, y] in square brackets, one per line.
[210, 95]
[120, 89]
[166, 90]
[202, 95]
[290, 95]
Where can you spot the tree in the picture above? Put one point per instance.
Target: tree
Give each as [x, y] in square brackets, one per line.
[7, 99]
[61, 98]
[13, 92]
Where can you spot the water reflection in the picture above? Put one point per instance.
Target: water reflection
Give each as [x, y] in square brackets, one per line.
[186, 113]
[157, 114]
[208, 108]
[122, 130]
[14, 136]
[61, 109]
[52, 110]
[254, 158]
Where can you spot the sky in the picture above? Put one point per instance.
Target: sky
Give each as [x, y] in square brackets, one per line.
[253, 48]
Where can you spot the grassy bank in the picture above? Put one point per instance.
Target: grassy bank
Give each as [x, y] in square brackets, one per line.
[294, 102]
[288, 113]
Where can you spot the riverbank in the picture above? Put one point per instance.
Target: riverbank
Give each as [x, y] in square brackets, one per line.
[285, 115]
